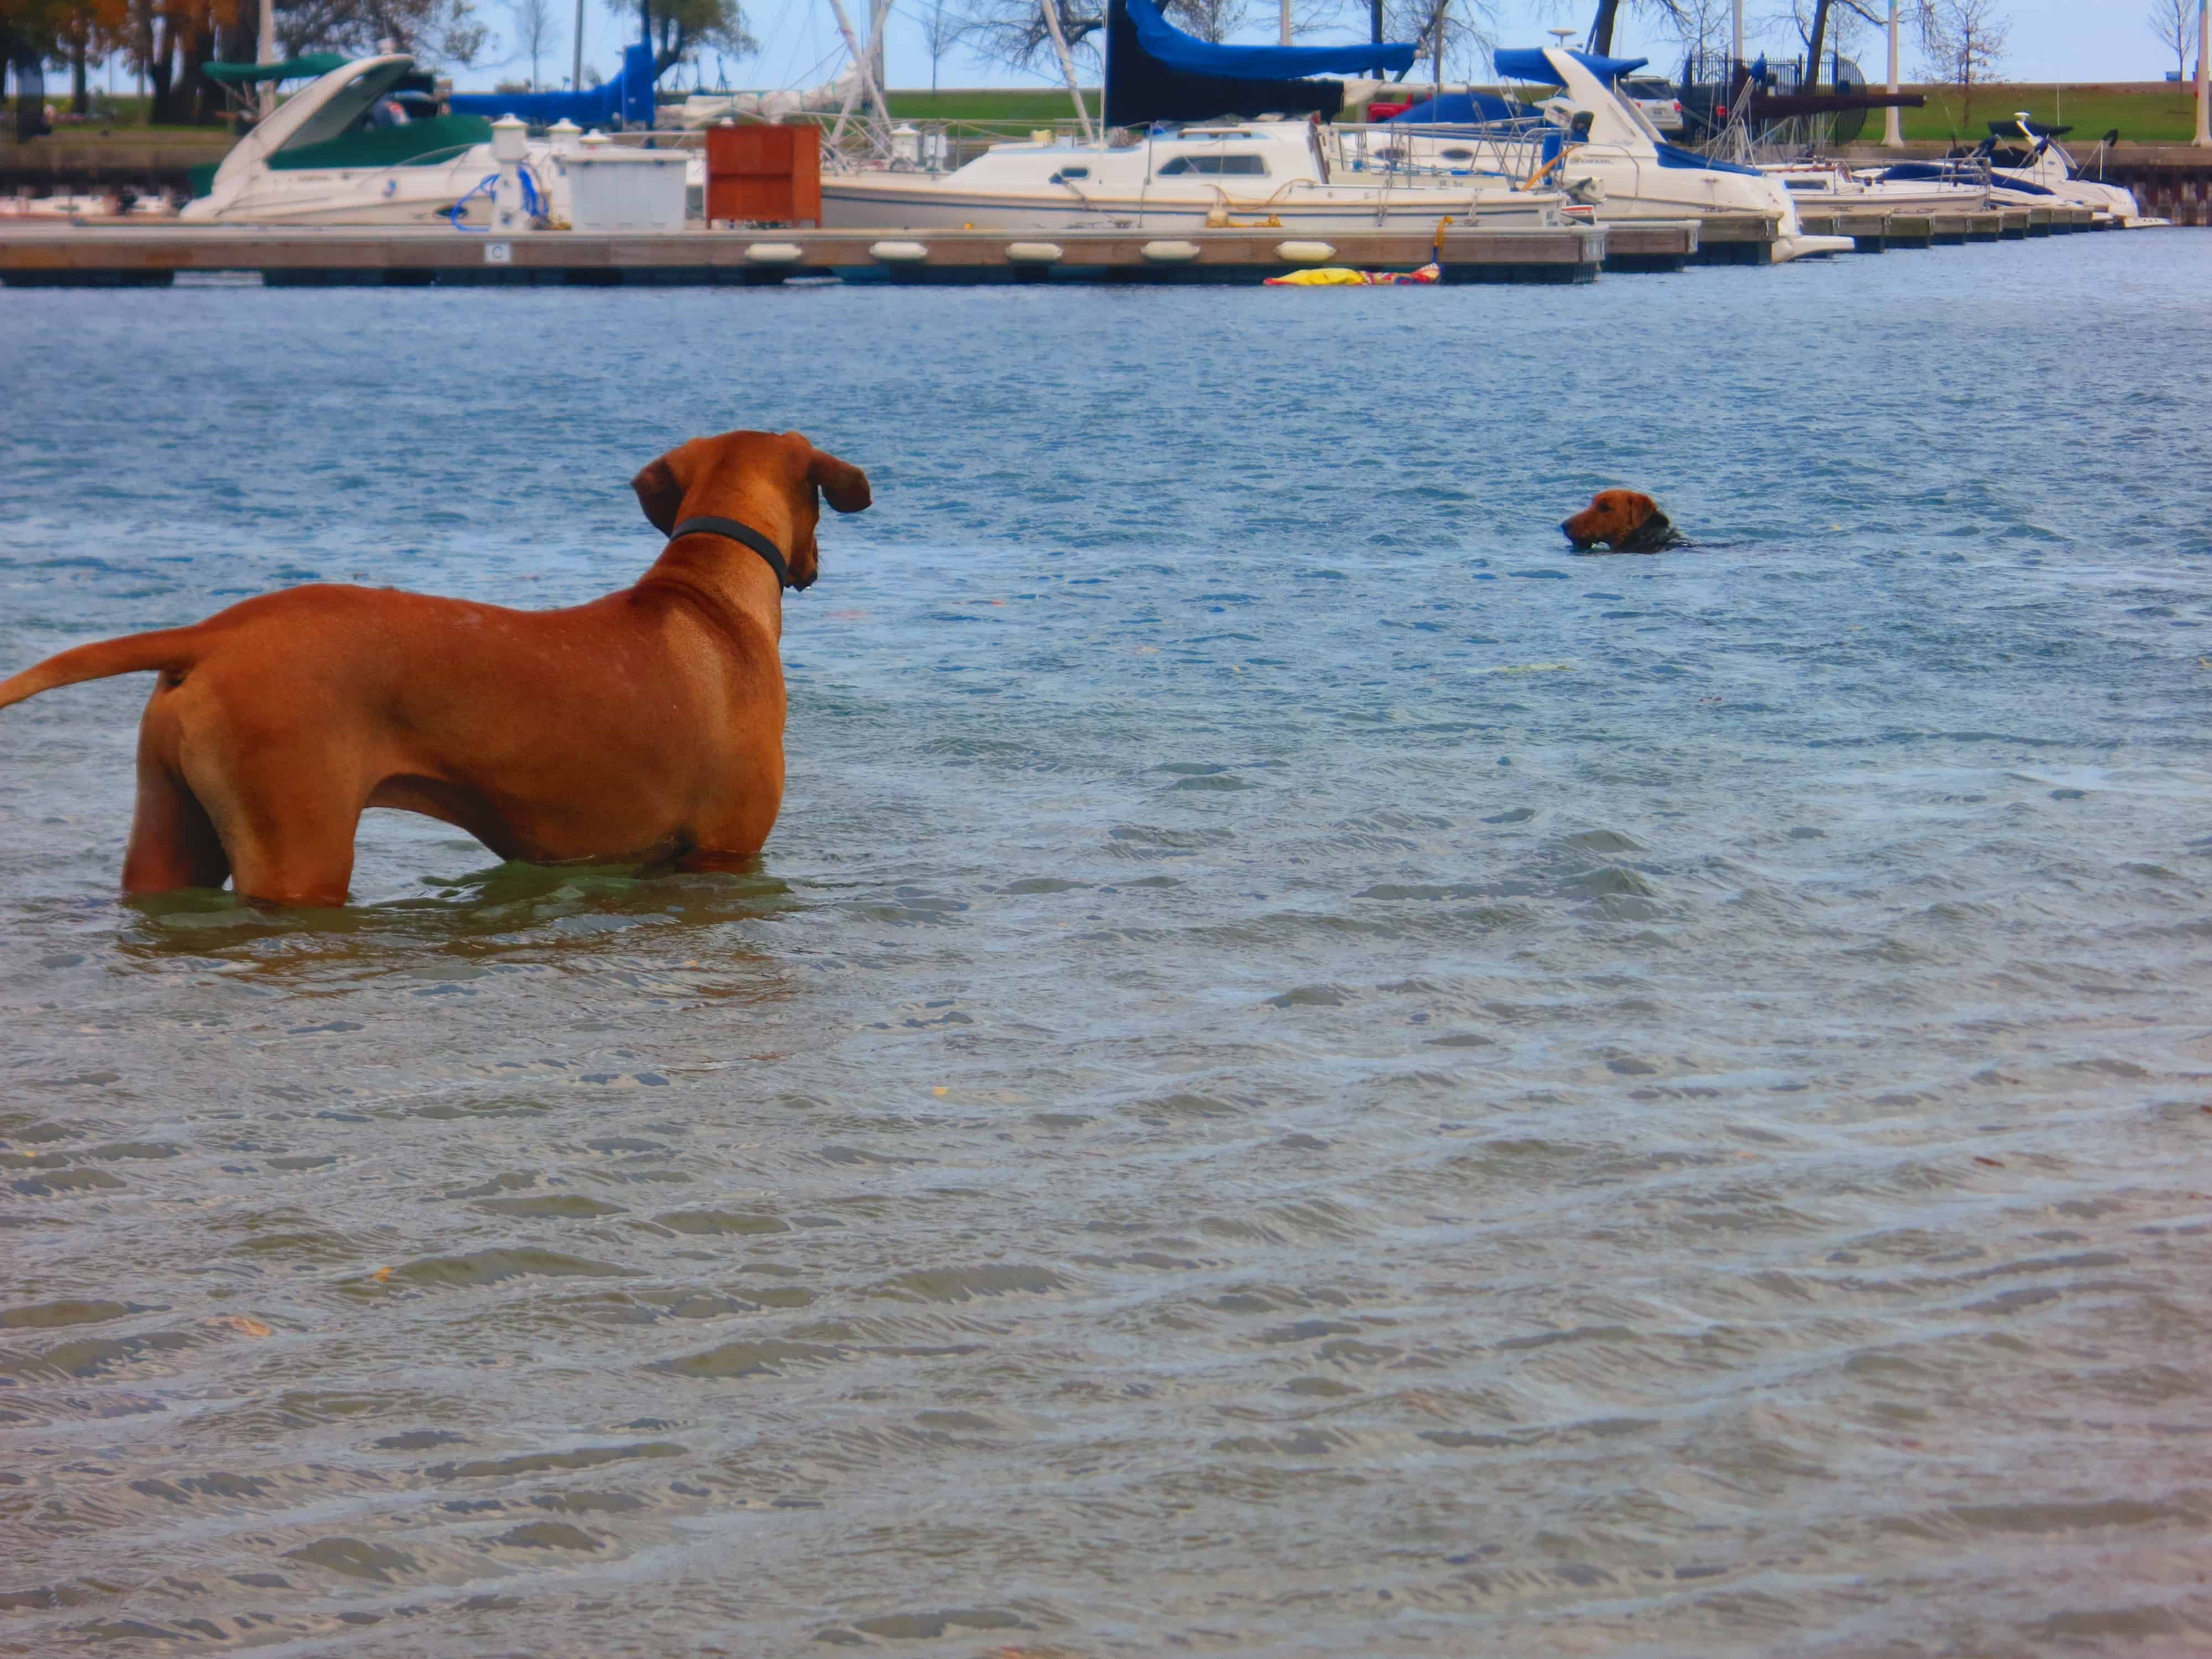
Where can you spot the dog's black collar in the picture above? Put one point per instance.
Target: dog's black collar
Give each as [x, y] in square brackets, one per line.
[738, 532]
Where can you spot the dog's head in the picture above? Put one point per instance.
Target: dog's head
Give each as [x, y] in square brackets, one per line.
[774, 482]
[1613, 517]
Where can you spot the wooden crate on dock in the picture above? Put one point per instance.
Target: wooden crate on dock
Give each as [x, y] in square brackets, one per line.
[764, 175]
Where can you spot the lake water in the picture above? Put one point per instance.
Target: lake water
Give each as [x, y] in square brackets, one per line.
[1303, 1073]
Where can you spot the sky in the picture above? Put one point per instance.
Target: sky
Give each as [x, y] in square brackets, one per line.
[2050, 40]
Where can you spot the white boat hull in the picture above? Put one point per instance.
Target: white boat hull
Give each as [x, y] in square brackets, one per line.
[890, 202]
[390, 196]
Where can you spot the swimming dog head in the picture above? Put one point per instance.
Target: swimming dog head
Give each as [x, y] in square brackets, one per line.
[1623, 521]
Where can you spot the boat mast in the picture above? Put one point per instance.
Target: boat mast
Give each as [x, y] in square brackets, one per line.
[1067, 63]
[863, 66]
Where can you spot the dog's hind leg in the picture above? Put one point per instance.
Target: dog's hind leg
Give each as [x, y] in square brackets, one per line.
[287, 811]
[174, 843]
[297, 851]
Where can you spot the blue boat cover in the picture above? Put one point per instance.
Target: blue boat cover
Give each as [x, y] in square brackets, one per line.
[628, 98]
[1462, 109]
[1529, 65]
[1165, 43]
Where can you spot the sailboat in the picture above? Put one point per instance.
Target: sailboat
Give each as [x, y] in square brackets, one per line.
[1211, 136]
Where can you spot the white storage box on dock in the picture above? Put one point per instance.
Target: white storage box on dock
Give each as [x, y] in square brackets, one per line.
[612, 189]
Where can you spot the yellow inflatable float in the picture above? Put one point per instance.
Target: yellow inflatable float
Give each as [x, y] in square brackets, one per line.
[1345, 276]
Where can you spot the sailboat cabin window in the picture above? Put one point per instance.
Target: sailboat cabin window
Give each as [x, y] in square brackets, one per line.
[1244, 166]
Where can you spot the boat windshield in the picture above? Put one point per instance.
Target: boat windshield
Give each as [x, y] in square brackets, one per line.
[347, 105]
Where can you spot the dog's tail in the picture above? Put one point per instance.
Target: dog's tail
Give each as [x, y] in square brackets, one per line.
[172, 649]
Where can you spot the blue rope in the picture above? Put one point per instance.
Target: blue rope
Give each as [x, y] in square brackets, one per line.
[533, 203]
[453, 213]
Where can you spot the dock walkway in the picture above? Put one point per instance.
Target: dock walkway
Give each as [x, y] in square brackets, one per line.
[109, 254]
[139, 253]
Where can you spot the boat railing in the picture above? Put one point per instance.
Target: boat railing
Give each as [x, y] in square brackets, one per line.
[1510, 149]
[1970, 170]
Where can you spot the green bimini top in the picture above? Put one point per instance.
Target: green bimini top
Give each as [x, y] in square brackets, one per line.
[418, 143]
[315, 63]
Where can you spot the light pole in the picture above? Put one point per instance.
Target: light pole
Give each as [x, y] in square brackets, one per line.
[1893, 125]
[266, 54]
[1287, 23]
[576, 75]
[2204, 98]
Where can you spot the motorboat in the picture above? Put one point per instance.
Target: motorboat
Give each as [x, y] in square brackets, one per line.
[1589, 141]
[2025, 165]
[345, 150]
[1200, 135]
[368, 143]
[1831, 185]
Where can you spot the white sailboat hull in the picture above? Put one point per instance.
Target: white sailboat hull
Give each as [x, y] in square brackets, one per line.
[892, 203]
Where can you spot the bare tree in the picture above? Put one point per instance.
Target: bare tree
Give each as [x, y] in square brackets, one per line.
[1703, 27]
[434, 31]
[678, 29]
[1962, 40]
[533, 31]
[1822, 31]
[1014, 33]
[1209, 19]
[942, 28]
[1454, 35]
[2174, 24]
[1608, 13]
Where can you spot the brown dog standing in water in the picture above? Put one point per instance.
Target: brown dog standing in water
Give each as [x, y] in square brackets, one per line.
[1623, 521]
[646, 724]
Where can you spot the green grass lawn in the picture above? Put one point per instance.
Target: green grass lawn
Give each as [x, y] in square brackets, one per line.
[2158, 115]
[2163, 117]
[993, 104]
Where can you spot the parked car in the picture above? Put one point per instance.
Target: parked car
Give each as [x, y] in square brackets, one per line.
[1655, 98]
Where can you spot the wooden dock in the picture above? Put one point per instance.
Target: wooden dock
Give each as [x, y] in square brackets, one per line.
[150, 253]
[97, 253]
[1876, 232]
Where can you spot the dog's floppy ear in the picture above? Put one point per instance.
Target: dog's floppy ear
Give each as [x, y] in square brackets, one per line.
[843, 484]
[660, 493]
